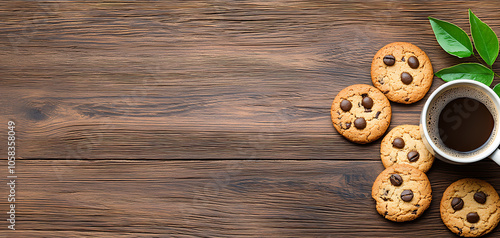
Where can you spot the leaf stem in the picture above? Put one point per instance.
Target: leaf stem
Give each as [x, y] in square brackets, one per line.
[478, 59]
[481, 61]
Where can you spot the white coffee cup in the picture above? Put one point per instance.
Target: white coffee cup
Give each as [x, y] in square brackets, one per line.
[436, 102]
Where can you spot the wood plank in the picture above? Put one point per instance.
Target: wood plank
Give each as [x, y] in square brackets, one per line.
[115, 92]
[198, 80]
[252, 198]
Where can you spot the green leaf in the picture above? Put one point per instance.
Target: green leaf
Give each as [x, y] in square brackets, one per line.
[497, 89]
[472, 71]
[485, 39]
[451, 38]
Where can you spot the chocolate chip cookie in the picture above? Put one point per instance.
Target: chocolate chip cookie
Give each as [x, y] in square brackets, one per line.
[402, 193]
[402, 71]
[404, 145]
[470, 207]
[361, 113]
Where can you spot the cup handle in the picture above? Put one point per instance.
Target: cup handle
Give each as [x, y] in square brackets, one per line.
[496, 156]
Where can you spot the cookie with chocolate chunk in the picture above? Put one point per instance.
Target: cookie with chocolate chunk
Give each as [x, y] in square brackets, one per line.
[404, 145]
[402, 193]
[361, 113]
[470, 207]
[402, 71]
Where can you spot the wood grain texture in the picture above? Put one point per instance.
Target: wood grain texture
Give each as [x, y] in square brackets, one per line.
[198, 79]
[219, 198]
[206, 118]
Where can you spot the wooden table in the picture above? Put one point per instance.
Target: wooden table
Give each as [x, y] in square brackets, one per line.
[206, 118]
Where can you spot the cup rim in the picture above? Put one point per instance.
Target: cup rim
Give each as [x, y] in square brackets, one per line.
[440, 152]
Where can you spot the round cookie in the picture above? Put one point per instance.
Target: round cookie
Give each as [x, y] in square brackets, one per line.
[470, 207]
[404, 145]
[402, 71]
[361, 113]
[402, 193]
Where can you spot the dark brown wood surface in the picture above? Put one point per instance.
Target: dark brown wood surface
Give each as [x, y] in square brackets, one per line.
[206, 118]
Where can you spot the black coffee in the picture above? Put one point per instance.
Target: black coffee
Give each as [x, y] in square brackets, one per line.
[465, 124]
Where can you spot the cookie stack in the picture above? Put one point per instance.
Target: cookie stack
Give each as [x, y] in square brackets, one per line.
[403, 191]
[402, 73]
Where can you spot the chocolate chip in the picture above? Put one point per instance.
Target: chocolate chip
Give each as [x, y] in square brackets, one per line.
[413, 156]
[345, 105]
[480, 197]
[457, 203]
[406, 78]
[368, 110]
[398, 143]
[414, 212]
[472, 217]
[396, 179]
[403, 59]
[407, 195]
[413, 62]
[347, 125]
[360, 123]
[389, 60]
[367, 102]
[377, 114]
